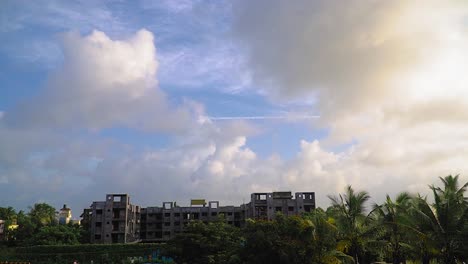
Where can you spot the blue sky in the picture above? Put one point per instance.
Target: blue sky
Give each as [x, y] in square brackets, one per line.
[136, 97]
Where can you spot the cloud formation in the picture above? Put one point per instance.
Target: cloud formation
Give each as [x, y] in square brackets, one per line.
[387, 77]
[354, 56]
[103, 83]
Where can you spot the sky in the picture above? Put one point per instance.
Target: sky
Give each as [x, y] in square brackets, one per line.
[173, 100]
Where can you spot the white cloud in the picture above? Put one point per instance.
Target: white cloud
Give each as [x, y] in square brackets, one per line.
[104, 83]
[356, 56]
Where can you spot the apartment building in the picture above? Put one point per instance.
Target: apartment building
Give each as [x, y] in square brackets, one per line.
[116, 220]
[267, 205]
[163, 223]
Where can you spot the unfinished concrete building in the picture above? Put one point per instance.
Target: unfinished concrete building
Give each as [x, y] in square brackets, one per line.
[163, 223]
[267, 205]
[116, 220]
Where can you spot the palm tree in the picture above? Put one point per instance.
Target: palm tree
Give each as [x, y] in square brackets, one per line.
[324, 239]
[446, 218]
[393, 218]
[350, 217]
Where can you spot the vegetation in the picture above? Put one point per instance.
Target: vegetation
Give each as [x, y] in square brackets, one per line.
[408, 228]
[39, 227]
[405, 229]
[86, 253]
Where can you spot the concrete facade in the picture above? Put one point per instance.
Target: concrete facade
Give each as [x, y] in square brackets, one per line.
[116, 220]
[267, 205]
[163, 223]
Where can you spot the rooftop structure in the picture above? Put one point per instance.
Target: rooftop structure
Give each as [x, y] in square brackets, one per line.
[65, 215]
[267, 205]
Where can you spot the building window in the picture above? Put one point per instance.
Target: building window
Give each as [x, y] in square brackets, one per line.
[278, 209]
[214, 214]
[290, 208]
[97, 237]
[98, 224]
[204, 214]
[177, 223]
[167, 215]
[177, 214]
[167, 224]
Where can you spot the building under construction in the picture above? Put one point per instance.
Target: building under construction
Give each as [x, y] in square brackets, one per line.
[116, 220]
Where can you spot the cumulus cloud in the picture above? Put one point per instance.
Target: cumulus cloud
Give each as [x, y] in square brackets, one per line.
[103, 83]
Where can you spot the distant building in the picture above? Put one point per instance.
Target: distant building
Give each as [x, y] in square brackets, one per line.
[116, 220]
[267, 205]
[2, 230]
[163, 223]
[64, 215]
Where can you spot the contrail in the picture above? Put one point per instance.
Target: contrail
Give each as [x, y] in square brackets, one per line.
[262, 117]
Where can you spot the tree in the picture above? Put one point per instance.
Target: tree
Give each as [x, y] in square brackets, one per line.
[393, 218]
[26, 229]
[43, 214]
[57, 235]
[446, 218]
[8, 214]
[324, 236]
[215, 242]
[285, 240]
[39, 216]
[349, 212]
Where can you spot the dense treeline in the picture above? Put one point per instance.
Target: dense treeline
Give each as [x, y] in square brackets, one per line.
[407, 228]
[39, 226]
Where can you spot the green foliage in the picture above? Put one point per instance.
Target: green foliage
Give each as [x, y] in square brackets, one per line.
[324, 242]
[353, 232]
[57, 235]
[8, 214]
[444, 222]
[395, 226]
[114, 253]
[39, 227]
[215, 242]
[42, 214]
[286, 240]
